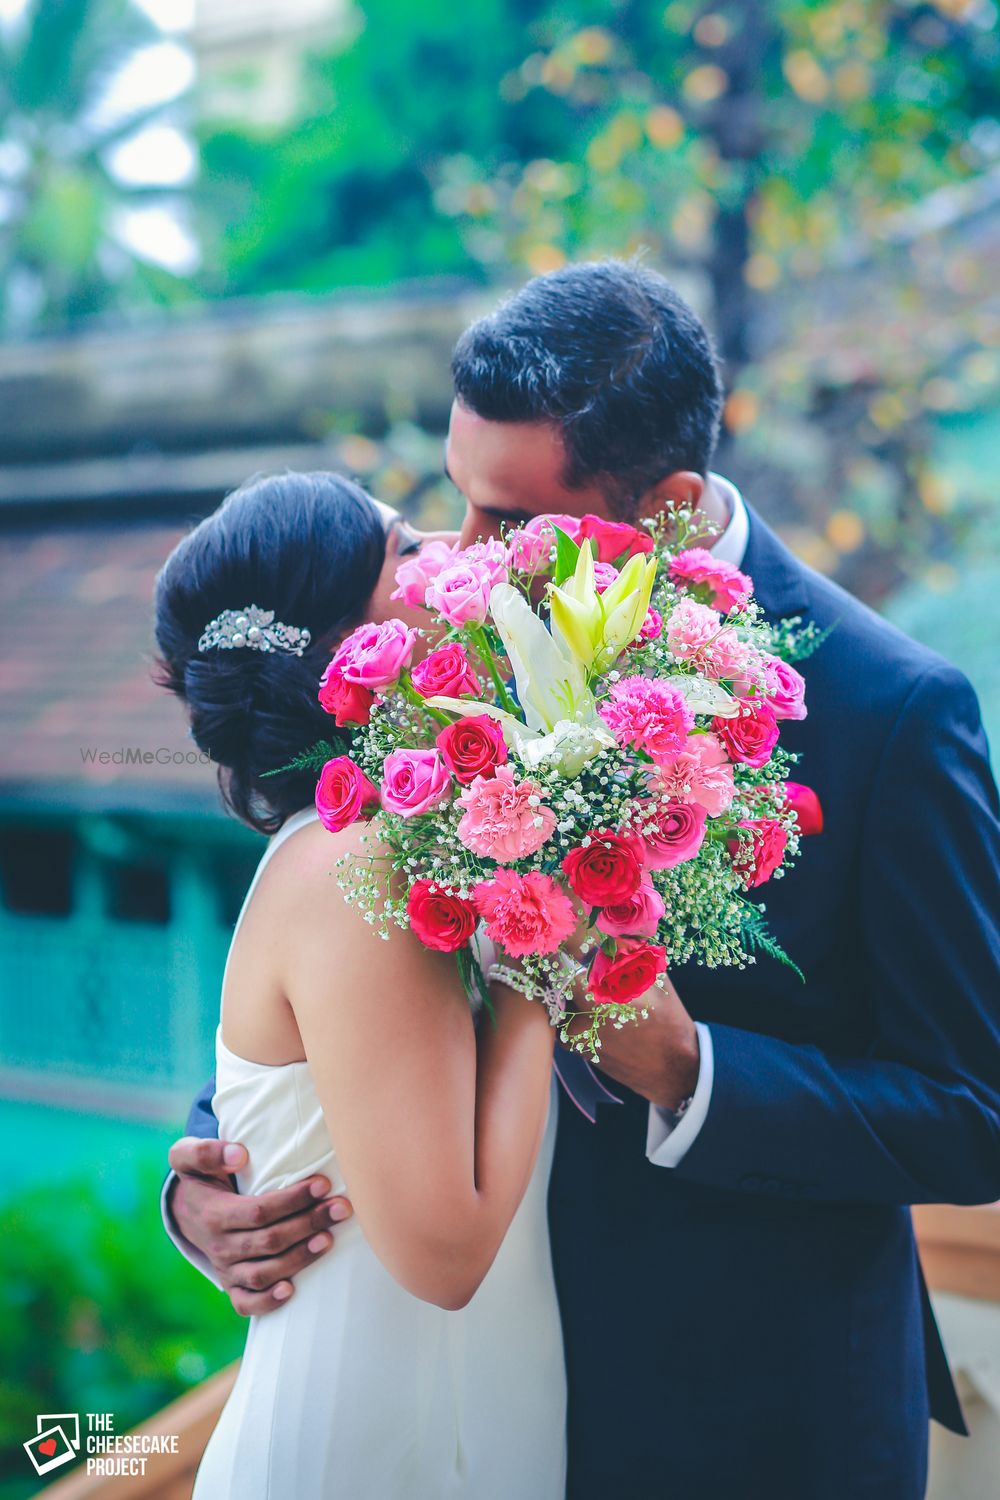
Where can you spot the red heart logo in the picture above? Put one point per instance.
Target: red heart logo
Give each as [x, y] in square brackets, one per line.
[48, 1447]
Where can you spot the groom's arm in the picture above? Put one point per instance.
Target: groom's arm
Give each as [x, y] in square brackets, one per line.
[917, 1118]
[250, 1247]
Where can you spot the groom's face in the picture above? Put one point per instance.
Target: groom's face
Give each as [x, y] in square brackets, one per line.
[509, 472]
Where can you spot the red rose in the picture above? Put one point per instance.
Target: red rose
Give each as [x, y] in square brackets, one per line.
[805, 804]
[349, 702]
[471, 747]
[343, 793]
[751, 737]
[629, 973]
[608, 870]
[445, 673]
[614, 538]
[759, 852]
[439, 918]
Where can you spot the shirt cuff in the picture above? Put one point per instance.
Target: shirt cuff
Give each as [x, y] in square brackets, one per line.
[668, 1140]
[189, 1252]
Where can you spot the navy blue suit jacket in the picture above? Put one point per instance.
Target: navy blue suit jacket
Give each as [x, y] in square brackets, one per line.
[754, 1323]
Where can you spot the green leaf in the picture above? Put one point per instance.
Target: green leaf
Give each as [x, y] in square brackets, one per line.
[567, 553]
[758, 938]
[313, 759]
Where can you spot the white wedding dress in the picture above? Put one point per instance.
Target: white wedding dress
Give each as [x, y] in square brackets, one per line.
[356, 1390]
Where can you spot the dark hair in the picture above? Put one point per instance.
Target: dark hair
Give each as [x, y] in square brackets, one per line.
[307, 546]
[610, 352]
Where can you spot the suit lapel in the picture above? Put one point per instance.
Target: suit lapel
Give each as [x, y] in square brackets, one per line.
[780, 581]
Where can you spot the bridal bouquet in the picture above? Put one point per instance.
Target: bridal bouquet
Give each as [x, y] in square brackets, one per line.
[590, 751]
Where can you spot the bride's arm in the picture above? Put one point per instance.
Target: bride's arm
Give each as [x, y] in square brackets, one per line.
[437, 1132]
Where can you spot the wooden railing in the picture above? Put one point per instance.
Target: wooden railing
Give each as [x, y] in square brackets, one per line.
[169, 1476]
[959, 1248]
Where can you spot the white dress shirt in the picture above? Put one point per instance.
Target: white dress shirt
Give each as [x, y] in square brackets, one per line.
[668, 1139]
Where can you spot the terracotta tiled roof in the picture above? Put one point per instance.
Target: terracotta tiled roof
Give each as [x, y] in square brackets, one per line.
[75, 620]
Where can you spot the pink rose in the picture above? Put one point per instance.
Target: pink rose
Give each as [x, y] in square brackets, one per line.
[613, 538]
[760, 850]
[529, 548]
[786, 690]
[491, 555]
[461, 592]
[415, 573]
[445, 673]
[677, 835]
[373, 656]
[525, 913]
[440, 918]
[414, 781]
[637, 916]
[700, 773]
[805, 804]
[652, 626]
[752, 737]
[735, 660]
[648, 714]
[604, 576]
[349, 703]
[724, 587]
[607, 869]
[691, 628]
[504, 818]
[624, 976]
[343, 793]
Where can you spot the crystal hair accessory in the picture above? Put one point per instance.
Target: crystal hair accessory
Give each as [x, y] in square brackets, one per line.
[255, 628]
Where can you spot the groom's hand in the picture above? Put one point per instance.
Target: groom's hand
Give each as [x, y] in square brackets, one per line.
[255, 1245]
[657, 1058]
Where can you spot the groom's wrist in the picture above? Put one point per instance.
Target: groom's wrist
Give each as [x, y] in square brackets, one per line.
[679, 1074]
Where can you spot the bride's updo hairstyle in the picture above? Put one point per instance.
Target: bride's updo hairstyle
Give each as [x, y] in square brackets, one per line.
[308, 547]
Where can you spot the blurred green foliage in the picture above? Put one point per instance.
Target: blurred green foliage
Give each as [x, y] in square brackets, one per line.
[100, 1313]
[62, 251]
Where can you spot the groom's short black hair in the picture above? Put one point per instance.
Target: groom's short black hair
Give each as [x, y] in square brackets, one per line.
[613, 355]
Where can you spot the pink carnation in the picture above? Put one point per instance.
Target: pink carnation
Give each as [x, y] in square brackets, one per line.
[692, 628]
[786, 690]
[504, 818]
[638, 916]
[415, 573]
[700, 773]
[525, 913]
[723, 584]
[373, 656]
[648, 714]
[461, 592]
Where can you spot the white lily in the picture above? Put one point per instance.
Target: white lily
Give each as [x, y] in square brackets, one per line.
[704, 696]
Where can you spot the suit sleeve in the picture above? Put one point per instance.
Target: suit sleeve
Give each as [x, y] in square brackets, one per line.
[201, 1122]
[916, 1119]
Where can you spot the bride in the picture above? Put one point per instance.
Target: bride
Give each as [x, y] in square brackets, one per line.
[423, 1360]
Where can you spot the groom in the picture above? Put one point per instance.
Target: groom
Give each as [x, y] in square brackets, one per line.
[744, 1311]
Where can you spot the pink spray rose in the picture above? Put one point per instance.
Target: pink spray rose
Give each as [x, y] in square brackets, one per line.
[805, 804]
[414, 781]
[752, 737]
[373, 656]
[604, 576]
[652, 626]
[445, 673]
[638, 916]
[491, 554]
[787, 689]
[461, 592]
[530, 546]
[525, 913]
[722, 584]
[760, 851]
[343, 793]
[701, 773]
[415, 573]
[678, 835]
[504, 818]
[648, 714]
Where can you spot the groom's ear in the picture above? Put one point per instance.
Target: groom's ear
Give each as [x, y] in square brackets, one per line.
[680, 489]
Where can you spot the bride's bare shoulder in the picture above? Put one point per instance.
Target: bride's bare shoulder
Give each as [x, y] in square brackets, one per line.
[302, 878]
